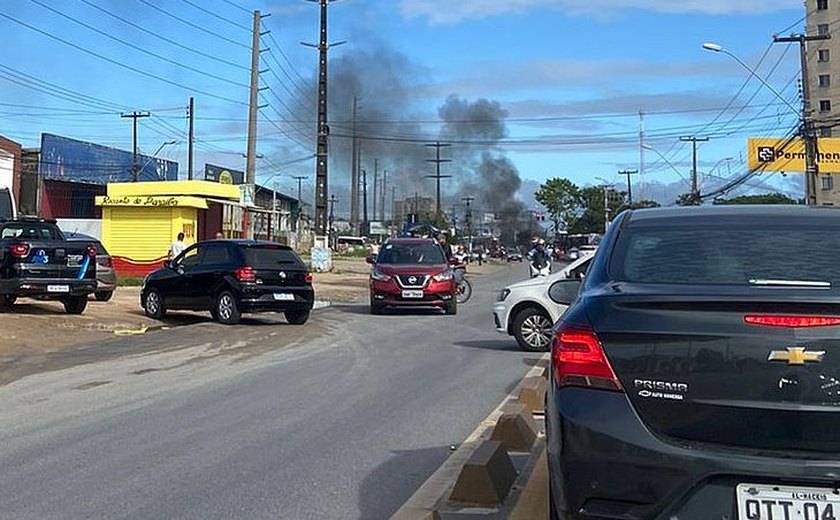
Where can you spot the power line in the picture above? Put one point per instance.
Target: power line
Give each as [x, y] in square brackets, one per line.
[236, 5]
[194, 26]
[217, 16]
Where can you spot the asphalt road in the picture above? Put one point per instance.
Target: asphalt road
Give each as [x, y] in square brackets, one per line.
[342, 418]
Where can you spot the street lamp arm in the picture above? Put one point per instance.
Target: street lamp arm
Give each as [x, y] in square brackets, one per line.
[665, 160]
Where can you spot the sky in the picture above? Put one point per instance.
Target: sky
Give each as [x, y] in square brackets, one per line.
[562, 82]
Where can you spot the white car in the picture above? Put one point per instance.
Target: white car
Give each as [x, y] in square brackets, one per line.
[525, 311]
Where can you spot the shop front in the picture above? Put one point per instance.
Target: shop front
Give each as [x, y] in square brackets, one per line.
[141, 220]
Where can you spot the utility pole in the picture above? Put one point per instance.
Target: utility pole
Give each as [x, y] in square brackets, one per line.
[807, 126]
[437, 176]
[354, 172]
[383, 191]
[273, 230]
[323, 129]
[468, 216]
[190, 150]
[606, 208]
[375, 185]
[135, 171]
[365, 225]
[628, 173]
[695, 193]
[253, 109]
[393, 205]
[331, 219]
[299, 179]
[642, 153]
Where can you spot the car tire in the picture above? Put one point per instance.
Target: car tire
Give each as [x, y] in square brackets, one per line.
[227, 310]
[376, 308]
[75, 304]
[451, 307]
[103, 296]
[7, 301]
[154, 305]
[532, 329]
[297, 317]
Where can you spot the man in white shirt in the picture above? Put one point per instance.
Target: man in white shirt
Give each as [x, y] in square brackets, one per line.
[177, 247]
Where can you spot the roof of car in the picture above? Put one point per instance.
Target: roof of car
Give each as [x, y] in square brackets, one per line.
[734, 211]
[247, 242]
[410, 240]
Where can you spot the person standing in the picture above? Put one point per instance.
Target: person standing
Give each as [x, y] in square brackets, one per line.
[177, 247]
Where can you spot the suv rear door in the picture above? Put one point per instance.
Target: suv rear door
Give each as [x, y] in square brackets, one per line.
[720, 336]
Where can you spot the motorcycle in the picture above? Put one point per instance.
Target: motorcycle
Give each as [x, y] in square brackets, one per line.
[539, 267]
[464, 290]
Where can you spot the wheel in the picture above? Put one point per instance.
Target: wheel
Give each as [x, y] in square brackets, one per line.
[463, 291]
[376, 308]
[451, 306]
[297, 317]
[227, 311]
[75, 304]
[154, 305]
[103, 296]
[7, 301]
[532, 329]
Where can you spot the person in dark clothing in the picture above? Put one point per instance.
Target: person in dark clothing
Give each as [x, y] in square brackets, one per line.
[447, 248]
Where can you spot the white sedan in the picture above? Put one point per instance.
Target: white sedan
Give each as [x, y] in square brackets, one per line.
[525, 311]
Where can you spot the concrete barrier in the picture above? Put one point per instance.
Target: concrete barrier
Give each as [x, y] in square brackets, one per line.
[416, 514]
[532, 394]
[486, 477]
[515, 429]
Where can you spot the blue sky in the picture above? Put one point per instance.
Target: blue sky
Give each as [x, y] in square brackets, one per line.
[570, 76]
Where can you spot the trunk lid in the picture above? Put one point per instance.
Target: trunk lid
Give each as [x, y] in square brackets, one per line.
[54, 259]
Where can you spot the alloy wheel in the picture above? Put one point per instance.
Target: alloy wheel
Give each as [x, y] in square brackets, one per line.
[536, 330]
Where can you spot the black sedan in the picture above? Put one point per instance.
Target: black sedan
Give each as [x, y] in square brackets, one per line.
[229, 278]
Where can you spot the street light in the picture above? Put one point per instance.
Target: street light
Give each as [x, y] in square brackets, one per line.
[165, 143]
[606, 186]
[664, 159]
[714, 47]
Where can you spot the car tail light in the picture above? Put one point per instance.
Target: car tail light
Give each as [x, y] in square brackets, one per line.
[246, 274]
[307, 277]
[20, 250]
[792, 321]
[579, 360]
[91, 251]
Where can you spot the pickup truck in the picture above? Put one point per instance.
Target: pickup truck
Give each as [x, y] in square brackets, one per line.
[37, 262]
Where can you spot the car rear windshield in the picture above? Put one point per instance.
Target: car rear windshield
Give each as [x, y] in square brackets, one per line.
[727, 254]
[30, 231]
[272, 257]
[422, 254]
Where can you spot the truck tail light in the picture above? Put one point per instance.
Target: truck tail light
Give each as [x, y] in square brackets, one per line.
[246, 274]
[19, 250]
[578, 359]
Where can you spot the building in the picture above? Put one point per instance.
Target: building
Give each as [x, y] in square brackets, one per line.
[10, 167]
[414, 208]
[823, 58]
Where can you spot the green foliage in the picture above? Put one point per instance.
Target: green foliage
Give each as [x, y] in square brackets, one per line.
[592, 220]
[561, 198]
[129, 281]
[766, 198]
[686, 199]
[642, 204]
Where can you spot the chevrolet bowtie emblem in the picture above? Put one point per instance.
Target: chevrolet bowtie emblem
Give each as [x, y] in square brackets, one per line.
[797, 356]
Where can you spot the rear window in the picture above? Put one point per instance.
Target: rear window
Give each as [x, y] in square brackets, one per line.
[423, 254]
[269, 257]
[30, 231]
[727, 254]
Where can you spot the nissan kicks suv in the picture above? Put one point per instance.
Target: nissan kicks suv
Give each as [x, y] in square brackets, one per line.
[229, 278]
[412, 272]
[696, 374]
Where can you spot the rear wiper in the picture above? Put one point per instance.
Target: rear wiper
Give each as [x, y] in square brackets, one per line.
[789, 283]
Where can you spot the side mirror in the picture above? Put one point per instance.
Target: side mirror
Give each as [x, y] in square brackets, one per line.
[371, 259]
[564, 292]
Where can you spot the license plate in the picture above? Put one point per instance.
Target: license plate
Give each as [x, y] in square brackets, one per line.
[74, 259]
[763, 502]
[412, 294]
[284, 296]
[58, 288]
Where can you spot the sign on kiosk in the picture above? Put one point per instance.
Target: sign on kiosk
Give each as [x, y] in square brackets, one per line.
[788, 155]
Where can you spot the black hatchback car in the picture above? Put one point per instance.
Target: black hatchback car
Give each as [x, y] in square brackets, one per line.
[229, 278]
[696, 374]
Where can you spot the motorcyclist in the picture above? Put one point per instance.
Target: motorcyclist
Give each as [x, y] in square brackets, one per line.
[540, 259]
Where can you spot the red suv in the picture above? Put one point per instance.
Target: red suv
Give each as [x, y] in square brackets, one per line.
[411, 272]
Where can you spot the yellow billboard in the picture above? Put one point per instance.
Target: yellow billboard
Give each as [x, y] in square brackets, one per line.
[788, 155]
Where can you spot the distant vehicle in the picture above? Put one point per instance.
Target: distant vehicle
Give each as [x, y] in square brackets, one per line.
[229, 278]
[37, 262]
[412, 272]
[8, 209]
[514, 256]
[525, 311]
[106, 277]
[354, 242]
[696, 371]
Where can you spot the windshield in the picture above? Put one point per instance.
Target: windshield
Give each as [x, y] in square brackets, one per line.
[422, 254]
[728, 255]
[30, 231]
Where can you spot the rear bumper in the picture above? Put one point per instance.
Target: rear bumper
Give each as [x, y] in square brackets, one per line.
[39, 287]
[604, 463]
[263, 299]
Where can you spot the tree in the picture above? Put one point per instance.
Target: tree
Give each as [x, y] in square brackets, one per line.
[592, 220]
[687, 199]
[642, 204]
[561, 198]
[765, 198]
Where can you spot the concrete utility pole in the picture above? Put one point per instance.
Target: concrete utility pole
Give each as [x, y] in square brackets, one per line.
[331, 219]
[468, 217]
[642, 153]
[253, 109]
[354, 172]
[628, 173]
[135, 171]
[375, 185]
[383, 191]
[365, 224]
[437, 176]
[394, 204]
[807, 129]
[606, 208]
[695, 193]
[322, 143]
[190, 149]
[299, 179]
